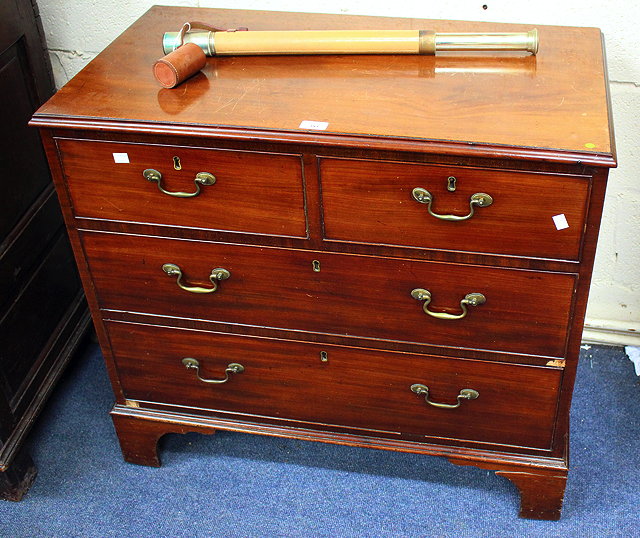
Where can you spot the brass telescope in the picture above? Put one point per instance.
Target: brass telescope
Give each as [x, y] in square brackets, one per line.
[186, 51]
[228, 43]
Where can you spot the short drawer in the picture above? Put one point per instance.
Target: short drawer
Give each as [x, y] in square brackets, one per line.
[341, 294]
[253, 192]
[373, 202]
[351, 387]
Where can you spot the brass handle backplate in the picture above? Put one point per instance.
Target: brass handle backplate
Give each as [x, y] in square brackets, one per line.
[479, 199]
[465, 394]
[470, 299]
[202, 178]
[216, 275]
[232, 368]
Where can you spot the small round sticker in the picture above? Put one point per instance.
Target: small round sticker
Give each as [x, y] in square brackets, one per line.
[590, 145]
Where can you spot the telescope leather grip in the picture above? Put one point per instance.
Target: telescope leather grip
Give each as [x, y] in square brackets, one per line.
[179, 65]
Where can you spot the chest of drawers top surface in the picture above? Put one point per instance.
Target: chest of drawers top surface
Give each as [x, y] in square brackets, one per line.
[554, 103]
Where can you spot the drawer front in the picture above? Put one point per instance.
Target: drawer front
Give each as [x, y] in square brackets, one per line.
[26, 250]
[373, 202]
[39, 307]
[353, 387]
[525, 311]
[253, 192]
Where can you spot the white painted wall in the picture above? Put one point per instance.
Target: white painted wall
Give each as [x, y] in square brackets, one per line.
[77, 30]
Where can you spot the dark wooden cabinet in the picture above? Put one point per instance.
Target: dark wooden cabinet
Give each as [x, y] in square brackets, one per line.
[42, 309]
[312, 290]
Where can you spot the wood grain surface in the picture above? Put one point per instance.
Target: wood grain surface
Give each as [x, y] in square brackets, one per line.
[253, 192]
[371, 202]
[351, 295]
[556, 100]
[354, 387]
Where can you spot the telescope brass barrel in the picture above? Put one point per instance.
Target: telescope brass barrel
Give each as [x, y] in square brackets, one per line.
[261, 43]
[526, 41]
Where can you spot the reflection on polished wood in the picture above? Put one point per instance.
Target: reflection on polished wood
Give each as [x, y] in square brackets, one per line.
[367, 99]
[411, 68]
[174, 102]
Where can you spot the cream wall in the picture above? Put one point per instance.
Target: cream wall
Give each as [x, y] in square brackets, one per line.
[77, 30]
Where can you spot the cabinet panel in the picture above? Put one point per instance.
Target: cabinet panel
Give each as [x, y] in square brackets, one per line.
[30, 322]
[22, 161]
[24, 251]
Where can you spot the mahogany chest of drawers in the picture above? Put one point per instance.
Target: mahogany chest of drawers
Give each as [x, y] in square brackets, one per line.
[413, 277]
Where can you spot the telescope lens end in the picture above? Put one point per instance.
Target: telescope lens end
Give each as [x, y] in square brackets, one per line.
[533, 41]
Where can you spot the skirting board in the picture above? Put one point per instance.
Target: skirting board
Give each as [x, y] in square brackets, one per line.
[612, 333]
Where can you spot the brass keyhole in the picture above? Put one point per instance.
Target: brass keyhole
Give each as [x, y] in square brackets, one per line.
[176, 163]
[316, 265]
[451, 183]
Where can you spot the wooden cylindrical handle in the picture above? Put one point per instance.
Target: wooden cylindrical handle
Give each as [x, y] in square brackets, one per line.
[318, 42]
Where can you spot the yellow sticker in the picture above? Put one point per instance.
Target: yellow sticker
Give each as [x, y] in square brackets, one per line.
[590, 145]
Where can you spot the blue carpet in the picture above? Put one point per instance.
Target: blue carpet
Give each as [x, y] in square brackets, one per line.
[233, 484]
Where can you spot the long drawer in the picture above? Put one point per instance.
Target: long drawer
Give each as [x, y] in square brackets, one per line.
[251, 192]
[334, 385]
[341, 294]
[375, 202]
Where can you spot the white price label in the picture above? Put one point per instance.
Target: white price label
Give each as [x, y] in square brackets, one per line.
[316, 125]
[560, 221]
[121, 158]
